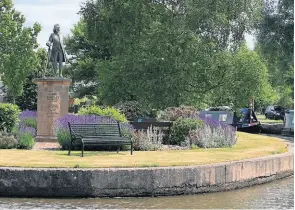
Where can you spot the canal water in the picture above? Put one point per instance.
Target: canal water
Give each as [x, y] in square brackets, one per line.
[274, 195]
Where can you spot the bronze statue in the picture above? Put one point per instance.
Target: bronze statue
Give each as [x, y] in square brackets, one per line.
[56, 51]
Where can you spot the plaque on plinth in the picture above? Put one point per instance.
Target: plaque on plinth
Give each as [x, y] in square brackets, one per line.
[52, 103]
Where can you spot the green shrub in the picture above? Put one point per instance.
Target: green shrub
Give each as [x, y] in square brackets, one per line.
[108, 111]
[8, 116]
[26, 141]
[30, 122]
[63, 138]
[173, 113]
[181, 128]
[7, 140]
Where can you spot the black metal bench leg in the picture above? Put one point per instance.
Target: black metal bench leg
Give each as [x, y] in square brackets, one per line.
[82, 149]
[118, 149]
[70, 148]
[131, 148]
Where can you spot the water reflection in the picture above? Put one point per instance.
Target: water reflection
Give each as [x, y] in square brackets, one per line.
[274, 195]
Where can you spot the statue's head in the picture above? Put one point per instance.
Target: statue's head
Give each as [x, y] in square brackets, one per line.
[56, 28]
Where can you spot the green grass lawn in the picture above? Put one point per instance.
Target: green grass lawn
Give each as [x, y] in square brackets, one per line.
[248, 146]
[262, 119]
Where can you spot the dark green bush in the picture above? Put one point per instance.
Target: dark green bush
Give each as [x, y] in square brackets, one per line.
[8, 116]
[7, 140]
[181, 128]
[131, 109]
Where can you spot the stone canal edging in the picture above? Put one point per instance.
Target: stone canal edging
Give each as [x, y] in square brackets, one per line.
[157, 181]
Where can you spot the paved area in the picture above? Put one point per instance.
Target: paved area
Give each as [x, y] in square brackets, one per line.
[46, 146]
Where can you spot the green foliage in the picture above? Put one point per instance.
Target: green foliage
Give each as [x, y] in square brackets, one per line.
[7, 140]
[83, 71]
[17, 56]
[8, 116]
[131, 109]
[158, 53]
[63, 138]
[26, 141]
[286, 100]
[275, 36]
[31, 122]
[108, 111]
[181, 128]
[248, 77]
[275, 43]
[28, 99]
[77, 101]
[173, 113]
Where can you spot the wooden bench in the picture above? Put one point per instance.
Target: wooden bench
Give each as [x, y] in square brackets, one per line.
[98, 134]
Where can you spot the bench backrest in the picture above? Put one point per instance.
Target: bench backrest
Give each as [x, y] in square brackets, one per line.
[100, 129]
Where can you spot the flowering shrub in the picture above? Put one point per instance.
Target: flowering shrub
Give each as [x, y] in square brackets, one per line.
[28, 114]
[148, 141]
[213, 137]
[173, 113]
[107, 112]
[61, 128]
[28, 118]
[26, 129]
[7, 140]
[213, 134]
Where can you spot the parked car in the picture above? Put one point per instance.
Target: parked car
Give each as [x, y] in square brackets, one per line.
[275, 112]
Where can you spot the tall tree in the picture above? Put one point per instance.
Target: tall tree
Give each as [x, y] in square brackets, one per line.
[165, 53]
[249, 77]
[28, 98]
[17, 44]
[82, 71]
[276, 45]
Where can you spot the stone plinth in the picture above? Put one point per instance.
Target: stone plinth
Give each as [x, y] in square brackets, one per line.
[53, 96]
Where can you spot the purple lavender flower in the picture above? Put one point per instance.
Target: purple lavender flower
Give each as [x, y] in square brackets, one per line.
[212, 123]
[28, 114]
[62, 122]
[27, 129]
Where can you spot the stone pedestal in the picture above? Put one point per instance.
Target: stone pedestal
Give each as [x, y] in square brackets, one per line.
[52, 103]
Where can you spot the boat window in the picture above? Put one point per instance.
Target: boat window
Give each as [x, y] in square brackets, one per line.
[222, 117]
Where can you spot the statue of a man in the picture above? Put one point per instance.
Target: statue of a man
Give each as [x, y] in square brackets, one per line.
[57, 53]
